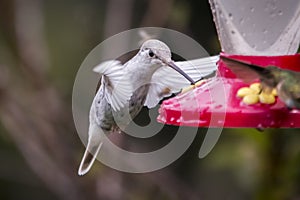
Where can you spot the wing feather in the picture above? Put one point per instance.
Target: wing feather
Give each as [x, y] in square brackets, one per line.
[244, 71]
[116, 82]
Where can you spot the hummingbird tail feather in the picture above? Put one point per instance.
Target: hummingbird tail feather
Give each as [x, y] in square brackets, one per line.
[89, 157]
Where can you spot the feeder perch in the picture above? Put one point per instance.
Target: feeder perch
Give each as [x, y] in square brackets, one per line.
[215, 102]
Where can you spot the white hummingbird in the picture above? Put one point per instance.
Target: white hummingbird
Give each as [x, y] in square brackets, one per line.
[142, 81]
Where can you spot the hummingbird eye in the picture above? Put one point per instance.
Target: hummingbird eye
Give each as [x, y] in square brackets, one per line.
[151, 54]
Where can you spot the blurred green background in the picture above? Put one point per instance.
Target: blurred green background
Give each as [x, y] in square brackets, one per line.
[42, 44]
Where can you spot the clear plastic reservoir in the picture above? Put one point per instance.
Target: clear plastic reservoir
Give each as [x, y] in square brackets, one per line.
[257, 27]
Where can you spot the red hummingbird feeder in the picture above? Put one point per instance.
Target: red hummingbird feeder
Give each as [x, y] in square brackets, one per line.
[215, 102]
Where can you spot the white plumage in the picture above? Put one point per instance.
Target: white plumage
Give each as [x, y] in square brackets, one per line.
[143, 80]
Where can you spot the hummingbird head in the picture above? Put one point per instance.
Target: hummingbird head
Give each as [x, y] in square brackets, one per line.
[157, 54]
[273, 76]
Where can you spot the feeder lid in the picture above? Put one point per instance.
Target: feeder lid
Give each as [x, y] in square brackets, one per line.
[215, 104]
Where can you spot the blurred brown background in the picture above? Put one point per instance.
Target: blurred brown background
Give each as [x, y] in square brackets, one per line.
[42, 44]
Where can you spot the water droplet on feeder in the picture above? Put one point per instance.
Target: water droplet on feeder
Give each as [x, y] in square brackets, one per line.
[218, 106]
[272, 123]
[292, 124]
[220, 122]
[265, 31]
[242, 21]
[172, 119]
[273, 14]
[260, 127]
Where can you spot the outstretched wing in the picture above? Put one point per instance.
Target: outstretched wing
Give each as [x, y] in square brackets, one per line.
[244, 71]
[166, 81]
[118, 88]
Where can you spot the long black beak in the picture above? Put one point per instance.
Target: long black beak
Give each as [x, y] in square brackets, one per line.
[175, 67]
